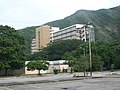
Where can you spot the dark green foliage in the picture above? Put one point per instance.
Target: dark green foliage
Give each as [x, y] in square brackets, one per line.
[56, 50]
[28, 33]
[76, 53]
[12, 49]
[56, 71]
[42, 55]
[104, 55]
[65, 70]
[38, 65]
[97, 62]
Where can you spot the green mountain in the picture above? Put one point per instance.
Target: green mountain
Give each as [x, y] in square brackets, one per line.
[105, 21]
[28, 33]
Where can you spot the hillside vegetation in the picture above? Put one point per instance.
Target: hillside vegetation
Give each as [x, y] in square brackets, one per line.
[105, 21]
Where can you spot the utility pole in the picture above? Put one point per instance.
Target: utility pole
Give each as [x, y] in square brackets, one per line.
[90, 50]
[85, 62]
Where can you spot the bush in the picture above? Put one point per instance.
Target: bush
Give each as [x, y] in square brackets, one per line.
[64, 70]
[56, 71]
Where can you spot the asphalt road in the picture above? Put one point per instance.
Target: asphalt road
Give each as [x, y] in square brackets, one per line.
[86, 84]
[25, 79]
[14, 83]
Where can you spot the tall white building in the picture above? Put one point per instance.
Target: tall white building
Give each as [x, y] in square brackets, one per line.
[77, 31]
[46, 34]
[33, 46]
[52, 31]
[87, 32]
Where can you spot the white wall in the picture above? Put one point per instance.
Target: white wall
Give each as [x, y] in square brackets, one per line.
[52, 66]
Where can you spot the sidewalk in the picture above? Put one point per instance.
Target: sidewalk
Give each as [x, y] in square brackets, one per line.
[55, 78]
[34, 79]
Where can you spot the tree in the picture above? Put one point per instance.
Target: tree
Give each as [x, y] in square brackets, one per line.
[115, 46]
[12, 48]
[38, 65]
[41, 55]
[83, 63]
[81, 58]
[56, 50]
[97, 63]
[108, 52]
[70, 60]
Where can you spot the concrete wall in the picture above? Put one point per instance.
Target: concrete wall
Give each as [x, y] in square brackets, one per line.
[12, 72]
[53, 65]
[50, 70]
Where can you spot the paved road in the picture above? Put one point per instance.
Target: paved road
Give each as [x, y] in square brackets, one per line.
[25, 79]
[53, 77]
[85, 84]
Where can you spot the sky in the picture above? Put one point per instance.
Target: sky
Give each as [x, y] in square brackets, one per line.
[23, 13]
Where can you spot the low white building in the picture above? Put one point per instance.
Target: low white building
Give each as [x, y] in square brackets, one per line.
[76, 31]
[59, 65]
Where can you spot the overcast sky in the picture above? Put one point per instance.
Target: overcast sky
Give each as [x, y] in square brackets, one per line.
[24, 13]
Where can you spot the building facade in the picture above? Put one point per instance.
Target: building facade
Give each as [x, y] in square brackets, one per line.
[33, 46]
[42, 37]
[46, 34]
[53, 65]
[77, 31]
[87, 33]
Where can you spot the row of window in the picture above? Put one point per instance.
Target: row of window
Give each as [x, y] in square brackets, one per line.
[67, 30]
[67, 37]
[64, 34]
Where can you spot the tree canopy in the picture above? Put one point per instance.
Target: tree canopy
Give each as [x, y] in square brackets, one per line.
[12, 48]
[38, 65]
[104, 55]
[56, 50]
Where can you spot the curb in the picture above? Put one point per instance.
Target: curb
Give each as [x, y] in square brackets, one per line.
[43, 81]
[48, 81]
